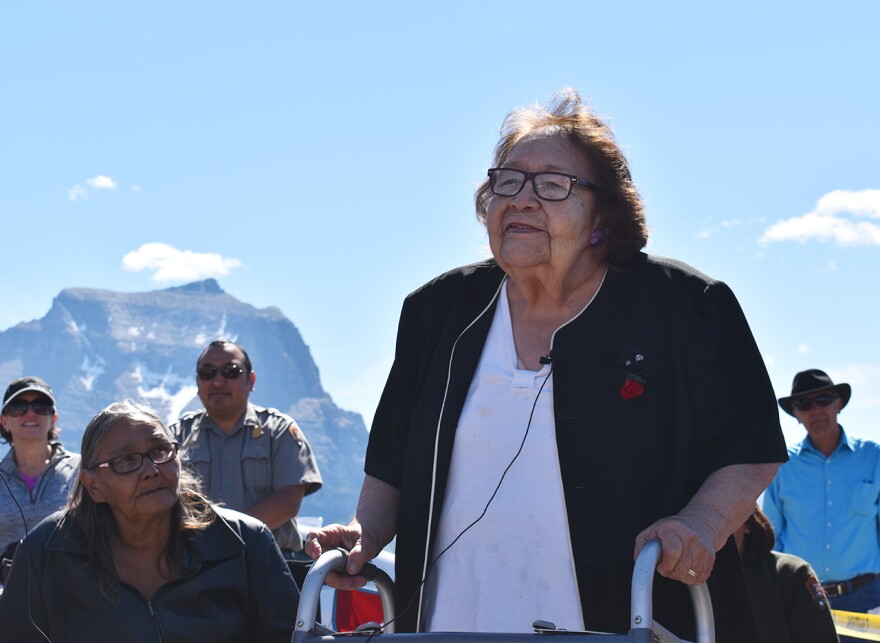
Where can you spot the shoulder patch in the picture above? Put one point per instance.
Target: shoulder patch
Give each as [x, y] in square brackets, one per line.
[814, 589]
[295, 432]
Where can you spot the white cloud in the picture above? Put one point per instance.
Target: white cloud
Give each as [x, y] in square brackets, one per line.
[170, 264]
[102, 182]
[835, 218]
[803, 348]
[76, 193]
[863, 203]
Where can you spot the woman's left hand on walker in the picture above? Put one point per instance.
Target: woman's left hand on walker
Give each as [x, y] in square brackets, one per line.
[686, 544]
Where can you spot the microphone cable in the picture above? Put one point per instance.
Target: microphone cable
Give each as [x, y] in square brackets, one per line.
[15, 500]
[545, 359]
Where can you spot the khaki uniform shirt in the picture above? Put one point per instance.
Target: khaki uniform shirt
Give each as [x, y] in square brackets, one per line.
[264, 452]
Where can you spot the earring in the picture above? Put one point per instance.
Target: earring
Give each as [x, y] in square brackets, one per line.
[597, 238]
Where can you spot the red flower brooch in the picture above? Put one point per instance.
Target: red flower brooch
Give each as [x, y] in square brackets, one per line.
[633, 386]
[634, 379]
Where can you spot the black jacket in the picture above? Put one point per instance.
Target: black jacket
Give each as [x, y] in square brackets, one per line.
[707, 403]
[235, 587]
[789, 602]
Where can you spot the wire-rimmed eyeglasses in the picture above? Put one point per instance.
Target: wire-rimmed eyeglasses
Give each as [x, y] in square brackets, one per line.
[131, 462]
[550, 186]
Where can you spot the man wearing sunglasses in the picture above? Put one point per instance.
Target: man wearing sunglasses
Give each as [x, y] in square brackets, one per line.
[253, 459]
[823, 502]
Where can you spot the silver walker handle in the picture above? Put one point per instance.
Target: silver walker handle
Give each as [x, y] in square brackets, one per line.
[335, 560]
[641, 608]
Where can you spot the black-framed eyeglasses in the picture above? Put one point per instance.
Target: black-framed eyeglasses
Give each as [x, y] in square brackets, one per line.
[229, 371]
[131, 462]
[806, 403]
[550, 186]
[17, 408]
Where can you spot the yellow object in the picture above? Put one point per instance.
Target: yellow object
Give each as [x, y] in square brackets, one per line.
[862, 626]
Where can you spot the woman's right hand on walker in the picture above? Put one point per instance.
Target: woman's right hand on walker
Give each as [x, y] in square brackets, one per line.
[350, 538]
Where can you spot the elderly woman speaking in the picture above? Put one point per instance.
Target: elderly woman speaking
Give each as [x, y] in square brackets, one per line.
[141, 555]
[552, 409]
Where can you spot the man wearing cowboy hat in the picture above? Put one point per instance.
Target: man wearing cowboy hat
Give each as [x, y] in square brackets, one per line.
[823, 503]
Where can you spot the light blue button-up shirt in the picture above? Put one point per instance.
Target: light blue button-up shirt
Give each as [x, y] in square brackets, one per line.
[827, 510]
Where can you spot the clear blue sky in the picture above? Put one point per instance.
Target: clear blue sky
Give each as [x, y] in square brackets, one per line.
[321, 157]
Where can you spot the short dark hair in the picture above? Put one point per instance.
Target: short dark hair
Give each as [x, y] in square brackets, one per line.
[759, 537]
[620, 207]
[225, 343]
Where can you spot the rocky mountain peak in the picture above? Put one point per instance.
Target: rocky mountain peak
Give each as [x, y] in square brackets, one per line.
[98, 346]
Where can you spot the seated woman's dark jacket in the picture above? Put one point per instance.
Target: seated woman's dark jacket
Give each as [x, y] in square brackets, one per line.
[790, 605]
[707, 403]
[235, 587]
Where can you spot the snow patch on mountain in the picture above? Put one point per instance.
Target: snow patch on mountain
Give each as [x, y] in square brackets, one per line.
[92, 370]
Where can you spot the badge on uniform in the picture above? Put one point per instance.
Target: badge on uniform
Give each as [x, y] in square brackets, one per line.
[635, 374]
[814, 589]
[257, 432]
[295, 432]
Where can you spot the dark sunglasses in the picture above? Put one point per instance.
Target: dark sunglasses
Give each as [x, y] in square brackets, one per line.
[207, 372]
[18, 408]
[806, 403]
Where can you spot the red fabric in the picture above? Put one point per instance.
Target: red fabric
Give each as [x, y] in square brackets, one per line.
[356, 608]
[631, 389]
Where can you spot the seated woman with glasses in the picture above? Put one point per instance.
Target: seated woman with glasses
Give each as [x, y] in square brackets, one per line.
[553, 408]
[141, 555]
[37, 472]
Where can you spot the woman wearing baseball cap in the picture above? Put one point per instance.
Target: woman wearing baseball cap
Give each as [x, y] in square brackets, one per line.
[38, 472]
